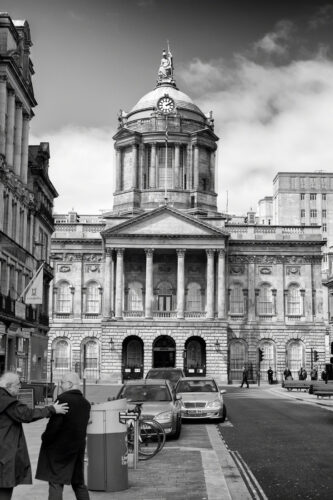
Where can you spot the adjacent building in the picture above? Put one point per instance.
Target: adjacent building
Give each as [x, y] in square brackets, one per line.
[164, 279]
[26, 203]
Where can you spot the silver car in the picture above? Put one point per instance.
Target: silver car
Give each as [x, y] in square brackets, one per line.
[201, 398]
[159, 402]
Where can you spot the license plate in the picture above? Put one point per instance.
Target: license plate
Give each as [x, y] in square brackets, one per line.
[194, 412]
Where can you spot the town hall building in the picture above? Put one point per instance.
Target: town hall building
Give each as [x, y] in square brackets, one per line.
[164, 279]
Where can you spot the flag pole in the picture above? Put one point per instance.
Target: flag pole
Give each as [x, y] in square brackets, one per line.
[32, 280]
[166, 160]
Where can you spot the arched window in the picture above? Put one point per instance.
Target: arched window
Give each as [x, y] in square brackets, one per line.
[265, 303]
[295, 356]
[193, 297]
[164, 292]
[64, 298]
[91, 354]
[237, 300]
[93, 298]
[294, 301]
[135, 299]
[61, 354]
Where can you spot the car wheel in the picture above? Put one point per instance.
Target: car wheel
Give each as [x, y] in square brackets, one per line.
[224, 413]
[178, 429]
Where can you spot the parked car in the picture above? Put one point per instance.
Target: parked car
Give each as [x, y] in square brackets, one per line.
[171, 374]
[201, 398]
[159, 402]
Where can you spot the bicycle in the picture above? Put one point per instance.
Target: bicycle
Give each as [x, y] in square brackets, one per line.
[151, 435]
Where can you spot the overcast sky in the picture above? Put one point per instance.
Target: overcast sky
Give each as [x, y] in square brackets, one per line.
[265, 69]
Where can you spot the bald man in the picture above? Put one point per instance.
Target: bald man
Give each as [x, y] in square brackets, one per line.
[61, 454]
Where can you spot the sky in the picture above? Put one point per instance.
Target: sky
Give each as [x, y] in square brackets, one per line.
[265, 69]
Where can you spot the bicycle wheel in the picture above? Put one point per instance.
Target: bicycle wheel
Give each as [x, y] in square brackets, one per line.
[151, 439]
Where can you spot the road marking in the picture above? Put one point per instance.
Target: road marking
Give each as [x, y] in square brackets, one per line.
[249, 478]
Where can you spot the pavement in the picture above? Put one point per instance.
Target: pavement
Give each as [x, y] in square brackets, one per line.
[197, 466]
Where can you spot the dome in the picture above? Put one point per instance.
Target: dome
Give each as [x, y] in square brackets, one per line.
[149, 101]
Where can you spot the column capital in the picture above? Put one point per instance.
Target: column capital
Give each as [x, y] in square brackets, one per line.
[26, 116]
[149, 251]
[221, 252]
[3, 78]
[11, 92]
[18, 105]
[120, 251]
[181, 251]
[210, 252]
[109, 251]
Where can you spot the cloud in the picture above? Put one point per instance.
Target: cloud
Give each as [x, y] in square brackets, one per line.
[82, 164]
[276, 42]
[270, 119]
[324, 16]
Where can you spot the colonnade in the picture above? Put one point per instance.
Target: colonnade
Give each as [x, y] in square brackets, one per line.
[185, 161]
[14, 130]
[113, 295]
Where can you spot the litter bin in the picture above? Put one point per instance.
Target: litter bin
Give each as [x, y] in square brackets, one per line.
[107, 447]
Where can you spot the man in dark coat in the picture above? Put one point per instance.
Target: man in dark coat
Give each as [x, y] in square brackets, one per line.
[245, 375]
[61, 455]
[14, 458]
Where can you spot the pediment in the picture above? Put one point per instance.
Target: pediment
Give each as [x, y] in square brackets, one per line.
[164, 222]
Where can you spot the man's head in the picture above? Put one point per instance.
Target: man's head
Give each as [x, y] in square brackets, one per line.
[11, 382]
[70, 381]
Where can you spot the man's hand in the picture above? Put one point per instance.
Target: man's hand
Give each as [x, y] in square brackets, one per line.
[60, 408]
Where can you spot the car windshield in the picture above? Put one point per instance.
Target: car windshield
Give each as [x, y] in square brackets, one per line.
[145, 393]
[196, 386]
[173, 376]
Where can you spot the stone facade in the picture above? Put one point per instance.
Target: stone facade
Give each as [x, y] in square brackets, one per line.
[166, 280]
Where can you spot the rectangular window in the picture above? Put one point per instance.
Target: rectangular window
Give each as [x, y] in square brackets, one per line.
[313, 213]
[323, 196]
[237, 301]
[302, 182]
[323, 213]
[324, 228]
[313, 196]
[302, 196]
[302, 213]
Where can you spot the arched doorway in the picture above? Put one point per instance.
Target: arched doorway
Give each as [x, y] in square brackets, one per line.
[295, 356]
[237, 359]
[132, 358]
[195, 357]
[164, 352]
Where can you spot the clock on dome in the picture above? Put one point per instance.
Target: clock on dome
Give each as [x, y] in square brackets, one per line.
[165, 104]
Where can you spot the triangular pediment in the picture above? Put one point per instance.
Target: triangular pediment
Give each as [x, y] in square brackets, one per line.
[162, 222]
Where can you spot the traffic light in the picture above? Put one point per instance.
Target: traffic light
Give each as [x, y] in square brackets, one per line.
[261, 354]
[315, 355]
[331, 347]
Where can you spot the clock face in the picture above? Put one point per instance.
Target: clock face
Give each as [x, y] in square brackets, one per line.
[166, 104]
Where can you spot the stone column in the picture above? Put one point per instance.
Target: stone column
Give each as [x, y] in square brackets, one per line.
[152, 173]
[180, 283]
[189, 167]
[196, 167]
[107, 283]
[119, 283]
[221, 284]
[10, 128]
[176, 182]
[3, 110]
[141, 165]
[118, 169]
[134, 166]
[25, 148]
[149, 283]
[18, 139]
[210, 283]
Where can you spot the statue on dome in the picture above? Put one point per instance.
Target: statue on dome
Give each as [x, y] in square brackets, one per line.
[165, 71]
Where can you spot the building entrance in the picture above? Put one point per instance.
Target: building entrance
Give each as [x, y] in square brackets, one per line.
[164, 352]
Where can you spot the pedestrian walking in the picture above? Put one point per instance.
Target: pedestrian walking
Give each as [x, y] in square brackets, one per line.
[270, 375]
[287, 374]
[61, 454]
[314, 373]
[245, 375]
[15, 465]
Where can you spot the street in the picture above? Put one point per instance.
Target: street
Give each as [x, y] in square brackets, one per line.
[286, 443]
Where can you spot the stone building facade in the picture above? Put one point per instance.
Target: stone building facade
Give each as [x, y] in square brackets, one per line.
[26, 202]
[165, 279]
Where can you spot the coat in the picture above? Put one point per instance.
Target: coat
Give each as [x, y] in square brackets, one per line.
[14, 458]
[61, 454]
